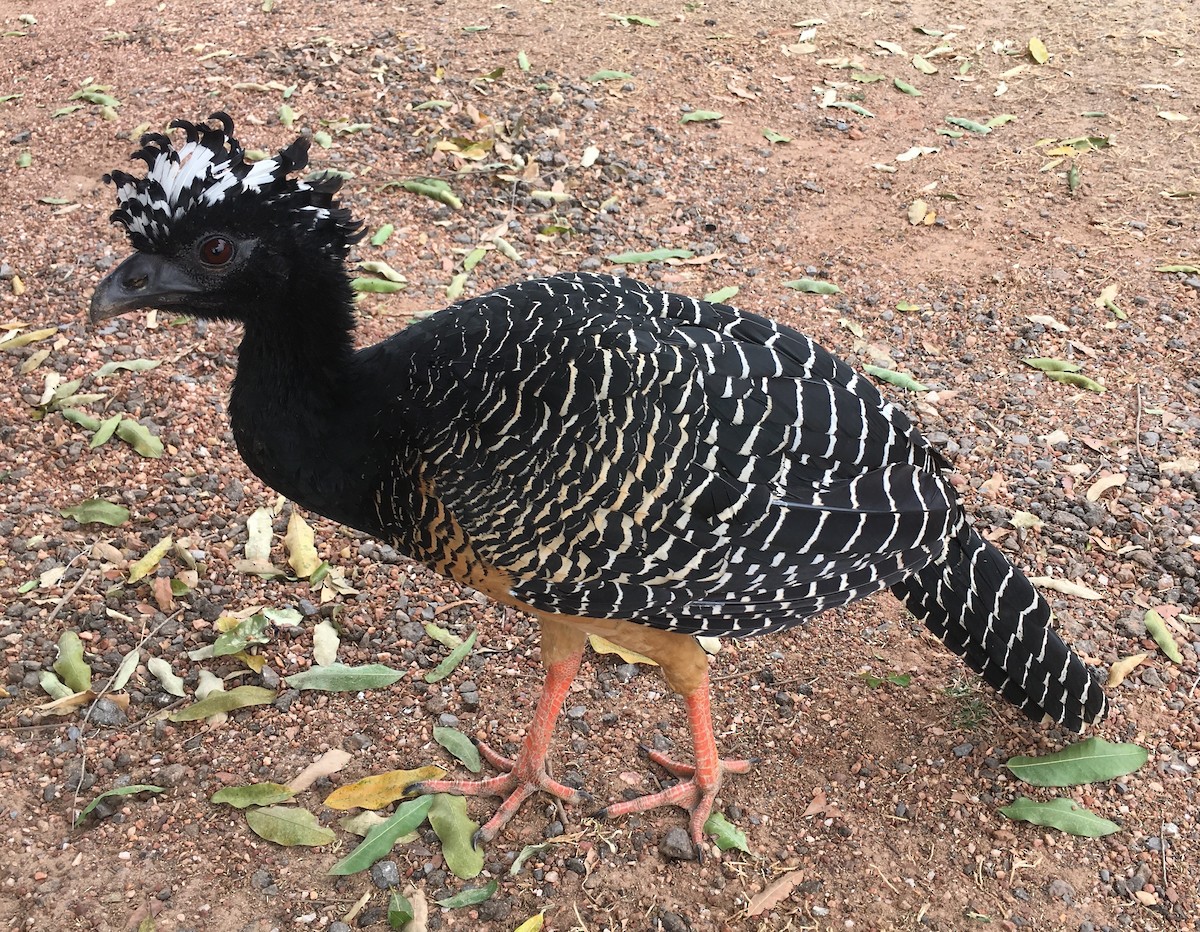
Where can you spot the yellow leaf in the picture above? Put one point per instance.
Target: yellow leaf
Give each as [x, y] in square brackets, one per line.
[380, 790]
[602, 646]
[302, 555]
[533, 923]
[255, 662]
[1122, 668]
[149, 563]
[917, 212]
[1037, 51]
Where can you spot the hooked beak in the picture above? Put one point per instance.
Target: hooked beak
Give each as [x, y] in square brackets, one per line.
[142, 280]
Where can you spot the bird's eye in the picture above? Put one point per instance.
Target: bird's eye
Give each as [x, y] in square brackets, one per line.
[216, 250]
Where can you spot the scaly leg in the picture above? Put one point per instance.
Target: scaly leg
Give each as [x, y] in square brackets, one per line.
[699, 784]
[527, 774]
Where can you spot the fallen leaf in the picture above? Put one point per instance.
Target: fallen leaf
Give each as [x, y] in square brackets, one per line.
[325, 643]
[1037, 51]
[161, 670]
[1162, 637]
[97, 511]
[1063, 814]
[1066, 587]
[119, 791]
[1122, 668]
[456, 831]
[455, 657]
[459, 745]
[604, 646]
[774, 893]
[1092, 761]
[302, 555]
[289, 826]
[337, 677]
[149, 563]
[255, 794]
[1102, 485]
[407, 817]
[327, 764]
[381, 789]
[70, 665]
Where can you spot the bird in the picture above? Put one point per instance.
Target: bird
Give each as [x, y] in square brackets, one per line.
[610, 458]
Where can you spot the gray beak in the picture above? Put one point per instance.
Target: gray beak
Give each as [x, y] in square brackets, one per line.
[142, 280]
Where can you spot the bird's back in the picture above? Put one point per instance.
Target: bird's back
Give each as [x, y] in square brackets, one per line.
[621, 452]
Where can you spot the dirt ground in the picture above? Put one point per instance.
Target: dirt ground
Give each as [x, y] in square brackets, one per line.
[881, 805]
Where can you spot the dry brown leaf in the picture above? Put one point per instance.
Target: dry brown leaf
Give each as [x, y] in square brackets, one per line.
[774, 893]
[1122, 668]
[420, 911]
[161, 590]
[328, 763]
[1102, 485]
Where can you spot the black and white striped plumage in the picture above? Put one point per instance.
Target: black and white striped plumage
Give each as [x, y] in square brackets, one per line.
[595, 447]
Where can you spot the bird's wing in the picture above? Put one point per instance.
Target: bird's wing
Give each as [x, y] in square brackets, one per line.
[633, 454]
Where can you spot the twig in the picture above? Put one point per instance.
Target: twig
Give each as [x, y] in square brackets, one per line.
[1162, 849]
[1137, 426]
[75, 588]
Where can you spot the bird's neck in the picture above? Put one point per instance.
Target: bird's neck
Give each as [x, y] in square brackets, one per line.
[294, 408]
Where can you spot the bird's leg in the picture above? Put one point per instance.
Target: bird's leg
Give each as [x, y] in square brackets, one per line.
[561, 654]
[699, 784]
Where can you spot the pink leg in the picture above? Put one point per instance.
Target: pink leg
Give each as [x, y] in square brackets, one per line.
[700, 783]
[527, 774]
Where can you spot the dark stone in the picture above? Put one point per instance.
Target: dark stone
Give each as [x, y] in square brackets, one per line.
[676, 845]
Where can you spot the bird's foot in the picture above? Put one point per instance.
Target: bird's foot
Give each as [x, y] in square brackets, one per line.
[522, 778]
[696, 792]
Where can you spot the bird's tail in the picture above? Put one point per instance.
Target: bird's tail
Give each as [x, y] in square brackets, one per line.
[985, 610]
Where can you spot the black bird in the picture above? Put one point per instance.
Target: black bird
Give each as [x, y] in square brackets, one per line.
[607, 457]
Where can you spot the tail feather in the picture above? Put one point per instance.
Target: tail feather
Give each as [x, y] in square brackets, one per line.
[985, 610]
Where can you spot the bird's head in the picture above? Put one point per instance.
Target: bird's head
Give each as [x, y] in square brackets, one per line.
[218, 236]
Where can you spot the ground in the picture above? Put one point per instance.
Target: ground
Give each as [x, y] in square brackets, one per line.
[880, 804]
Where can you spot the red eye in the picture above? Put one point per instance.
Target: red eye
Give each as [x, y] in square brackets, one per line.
[216, 250]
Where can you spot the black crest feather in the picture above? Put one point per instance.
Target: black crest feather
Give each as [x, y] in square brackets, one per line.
[210, 169]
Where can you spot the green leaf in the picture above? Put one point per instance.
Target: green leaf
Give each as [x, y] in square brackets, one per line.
[906, 88]
[1062, 814]
[283, 617]
[1185, 269]
[86, 421]
[472, 897]
[256, 794]
[140, 438]
[456, 830]
[119, 791]
[1078, 380]
[453, 659]
[722, 295]
[812, 286]
[702, 116]
[239, 698]
[853, 108]
[459, 745]
[526, 853]
[104, 431]
[250, 631]
[376, 286]
[446, 638]
[899, 379]
[433, 188]
[1162, 637]
[287, 116]
[969, 125]
[999, 120]
[339, 678]
[771, 136]
[654, 255]
[727, 834]
[399, 911]
[435, 105]
[128, 365]
[149, 563]
[128, 664]
[383, 234]
[1037, 51]
[289, 826]
[1089, 761]
[322, 139]
[70, 665]
[864, 77]
[1051, 365]
[97, 511]
[609, 76]
[53, 686]
[522, 60]
[380, 839]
